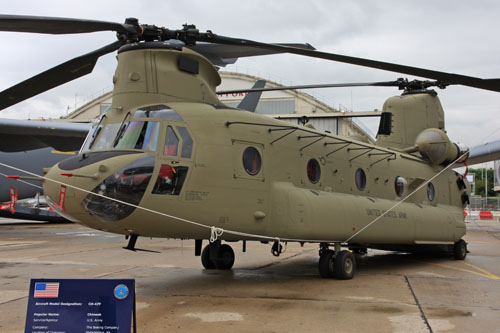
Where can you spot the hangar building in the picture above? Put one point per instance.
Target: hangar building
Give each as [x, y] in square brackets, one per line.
[288, 105]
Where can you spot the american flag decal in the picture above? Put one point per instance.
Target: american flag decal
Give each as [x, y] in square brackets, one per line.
[46, 289]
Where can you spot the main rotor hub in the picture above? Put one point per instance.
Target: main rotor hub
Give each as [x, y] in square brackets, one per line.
[136, 32]
[418, 86]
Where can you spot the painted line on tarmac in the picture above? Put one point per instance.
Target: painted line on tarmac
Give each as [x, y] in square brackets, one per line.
[492, 276]
[482, 272]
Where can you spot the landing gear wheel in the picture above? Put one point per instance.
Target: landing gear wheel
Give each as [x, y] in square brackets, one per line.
[205, 258]
[460, 250]
[225, 257]
[326, 264]
[345, 265]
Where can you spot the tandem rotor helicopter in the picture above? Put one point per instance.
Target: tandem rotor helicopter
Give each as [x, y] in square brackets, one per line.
[169, 159]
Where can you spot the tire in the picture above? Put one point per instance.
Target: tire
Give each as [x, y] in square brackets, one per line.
[460, 250]
[225, 257]
[205, 258]
[345, 265]
[326, 264]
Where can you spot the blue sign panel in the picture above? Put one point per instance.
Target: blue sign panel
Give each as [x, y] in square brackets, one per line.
[80, 305]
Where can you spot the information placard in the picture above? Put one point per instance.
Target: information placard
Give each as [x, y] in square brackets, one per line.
[80, 305]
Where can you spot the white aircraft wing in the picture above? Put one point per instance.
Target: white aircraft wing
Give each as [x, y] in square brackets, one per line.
[487, 152]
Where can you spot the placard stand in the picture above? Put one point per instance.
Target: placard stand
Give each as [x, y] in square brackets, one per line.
[81, 305]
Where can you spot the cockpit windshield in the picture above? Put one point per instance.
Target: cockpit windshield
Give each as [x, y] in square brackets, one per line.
[130, 135]
[138, 135]
[104, 136]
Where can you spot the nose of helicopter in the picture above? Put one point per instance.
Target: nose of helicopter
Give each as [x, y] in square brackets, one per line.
[103, 185]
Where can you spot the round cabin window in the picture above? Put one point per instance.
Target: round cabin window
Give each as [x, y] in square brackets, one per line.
[360, 178]
[251, 161]
[431, 192]
[313, 171]
[399, 185]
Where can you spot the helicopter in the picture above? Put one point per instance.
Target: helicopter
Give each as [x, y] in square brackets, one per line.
[169, 159]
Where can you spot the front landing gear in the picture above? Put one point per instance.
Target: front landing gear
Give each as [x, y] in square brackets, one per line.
[338, 264]
[217, 256]
[345, 265]
[326, 264]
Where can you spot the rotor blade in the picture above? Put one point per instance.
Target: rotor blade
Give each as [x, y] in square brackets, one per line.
[58, 25]
[443, 77]
[54, 77]
[223, 54]
[314, 86]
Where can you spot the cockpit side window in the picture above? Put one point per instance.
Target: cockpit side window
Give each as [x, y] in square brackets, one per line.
[171, 143]
[170, 180]
[187, 142]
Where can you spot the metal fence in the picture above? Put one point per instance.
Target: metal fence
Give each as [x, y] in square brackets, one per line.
[480, 203]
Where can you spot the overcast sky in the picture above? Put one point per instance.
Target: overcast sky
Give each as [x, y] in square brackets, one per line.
[451, 36]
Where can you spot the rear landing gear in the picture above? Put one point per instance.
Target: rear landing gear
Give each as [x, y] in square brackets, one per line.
[217, 256]
[338, 264]
[460, 250]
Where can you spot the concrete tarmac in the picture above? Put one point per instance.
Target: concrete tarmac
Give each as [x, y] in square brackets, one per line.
[390, 293]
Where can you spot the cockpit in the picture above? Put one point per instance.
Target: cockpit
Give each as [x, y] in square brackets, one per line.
[139, 131]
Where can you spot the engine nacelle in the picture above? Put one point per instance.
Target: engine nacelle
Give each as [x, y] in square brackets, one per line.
[435, 146]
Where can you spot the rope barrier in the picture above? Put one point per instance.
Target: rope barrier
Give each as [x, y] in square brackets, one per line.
[215, 233]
